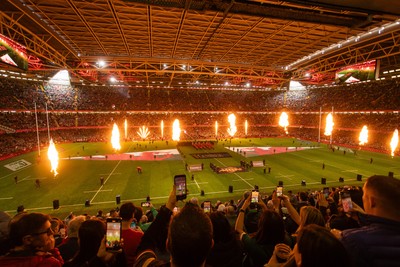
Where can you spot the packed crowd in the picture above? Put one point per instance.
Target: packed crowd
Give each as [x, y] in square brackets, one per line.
[346, 226]
[87, 108]
[366, 96]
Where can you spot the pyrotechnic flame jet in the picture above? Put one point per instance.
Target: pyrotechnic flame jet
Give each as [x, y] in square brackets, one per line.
[232, 128]
[143, 132]
[394, 142]
[329, 125]
[284, 121]
[126, 128]
[176, 130]
[52, 154]
[162, 129]
[216, 128]
[115, 138]
[363, 135]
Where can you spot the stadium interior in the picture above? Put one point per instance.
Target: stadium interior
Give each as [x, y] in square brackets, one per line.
[74, 68]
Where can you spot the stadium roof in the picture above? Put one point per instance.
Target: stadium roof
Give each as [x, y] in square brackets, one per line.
[189, 43]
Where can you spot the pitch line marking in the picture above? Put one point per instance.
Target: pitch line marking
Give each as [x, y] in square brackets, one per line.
[199, 183]
[116, 166]
[25, 178]
[162, 197]
[280, 175]
[6, 198]
[93, 191]
[242, 179]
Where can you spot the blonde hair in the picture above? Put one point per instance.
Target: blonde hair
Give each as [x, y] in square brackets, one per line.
[310, 215]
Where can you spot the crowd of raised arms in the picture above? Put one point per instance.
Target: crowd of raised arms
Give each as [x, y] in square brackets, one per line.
[307, 229]
[88, 112]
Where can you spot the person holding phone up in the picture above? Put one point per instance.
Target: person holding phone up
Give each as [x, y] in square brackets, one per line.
[92, 251]
[187, 236]
[377, 241]
[271, 231]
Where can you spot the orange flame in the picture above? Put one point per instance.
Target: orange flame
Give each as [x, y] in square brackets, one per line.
[126, 128]
[176, 130]
[245, 127]
[162, 129]
[52, 154]
[284, 121]
[232, 128]
[363, 135]
[115, 138]
[329, 125]
[216, 128]
[394, 142]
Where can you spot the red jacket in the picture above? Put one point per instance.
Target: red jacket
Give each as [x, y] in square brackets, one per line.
[29, 259]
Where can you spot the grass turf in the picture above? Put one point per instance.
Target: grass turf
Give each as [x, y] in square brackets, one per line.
[79, 180]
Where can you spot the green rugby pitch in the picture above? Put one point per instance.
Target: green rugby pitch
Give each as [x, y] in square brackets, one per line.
[79, 175]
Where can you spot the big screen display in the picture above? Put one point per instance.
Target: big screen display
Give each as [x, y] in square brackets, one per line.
[12, 53]
[357, 72]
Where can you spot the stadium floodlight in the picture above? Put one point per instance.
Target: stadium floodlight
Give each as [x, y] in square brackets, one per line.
[101, 63]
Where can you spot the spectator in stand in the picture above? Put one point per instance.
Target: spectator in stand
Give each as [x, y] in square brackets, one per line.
[260, 245]
[56, 225]
[70, 247]
[377, 242]
[131, 236]
[226, 251]
[5, 219]
[231, 215]
[308, 215]
[92, 248]
[32, 242]
[189, 236]
[150, 214]
[315, 247]
[303, 200]
[293, 199]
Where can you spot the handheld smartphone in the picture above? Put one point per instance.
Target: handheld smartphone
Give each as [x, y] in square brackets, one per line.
[180, 183]
[113, 233]
[207, 206]
[133, 225]
[145, 204]
[279, 191]
[346, 201]
[254, 196]
[326, 192]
